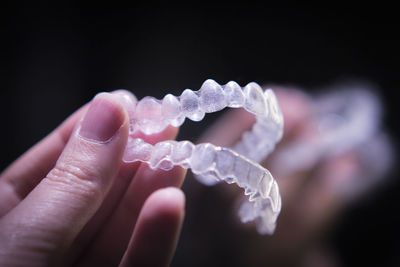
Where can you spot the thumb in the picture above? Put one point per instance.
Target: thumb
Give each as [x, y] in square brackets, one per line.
[44, 224]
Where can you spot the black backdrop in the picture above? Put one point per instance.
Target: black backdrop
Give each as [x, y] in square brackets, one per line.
[54, 60]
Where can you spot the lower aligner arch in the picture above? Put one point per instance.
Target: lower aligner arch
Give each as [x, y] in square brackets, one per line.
[210, 163]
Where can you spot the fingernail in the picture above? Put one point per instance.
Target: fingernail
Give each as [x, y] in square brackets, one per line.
[102, 120]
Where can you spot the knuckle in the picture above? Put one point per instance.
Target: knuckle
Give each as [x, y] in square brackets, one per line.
[74, 180]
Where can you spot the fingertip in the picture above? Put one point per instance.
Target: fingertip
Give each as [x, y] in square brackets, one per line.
[156, 234]
[116, 100]
[165, 202]
[104, 117]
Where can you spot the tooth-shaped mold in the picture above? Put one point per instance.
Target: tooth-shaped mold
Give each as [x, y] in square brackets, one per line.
[254, 178]
[270, 131]
[148, 108]
[212, 96]
[224, 161]
[171, 110]
[234, 95]
[137, 150]
[202, 158]
[181, 153]
[191, 106]
[209, 178]
[160, 156]
[265, 226]
[246, 213]
[265, 184]
[250, 140]
[255, 100]
[148, 116]
[241, 170]
[241, 149]
[274, 110]
[178, 121]
[274, 196]
[263, 129]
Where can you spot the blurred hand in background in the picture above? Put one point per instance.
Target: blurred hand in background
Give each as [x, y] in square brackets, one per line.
[316, 181]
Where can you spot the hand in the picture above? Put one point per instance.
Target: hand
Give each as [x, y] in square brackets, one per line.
[312, 198]
[70, 200]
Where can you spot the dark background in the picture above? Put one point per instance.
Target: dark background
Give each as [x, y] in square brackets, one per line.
[55, 60]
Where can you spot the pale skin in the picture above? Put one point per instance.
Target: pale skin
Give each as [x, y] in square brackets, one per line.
[311, 201]
[71, 201]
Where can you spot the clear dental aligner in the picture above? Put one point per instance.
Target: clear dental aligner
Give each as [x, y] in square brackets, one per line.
[210, 163]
